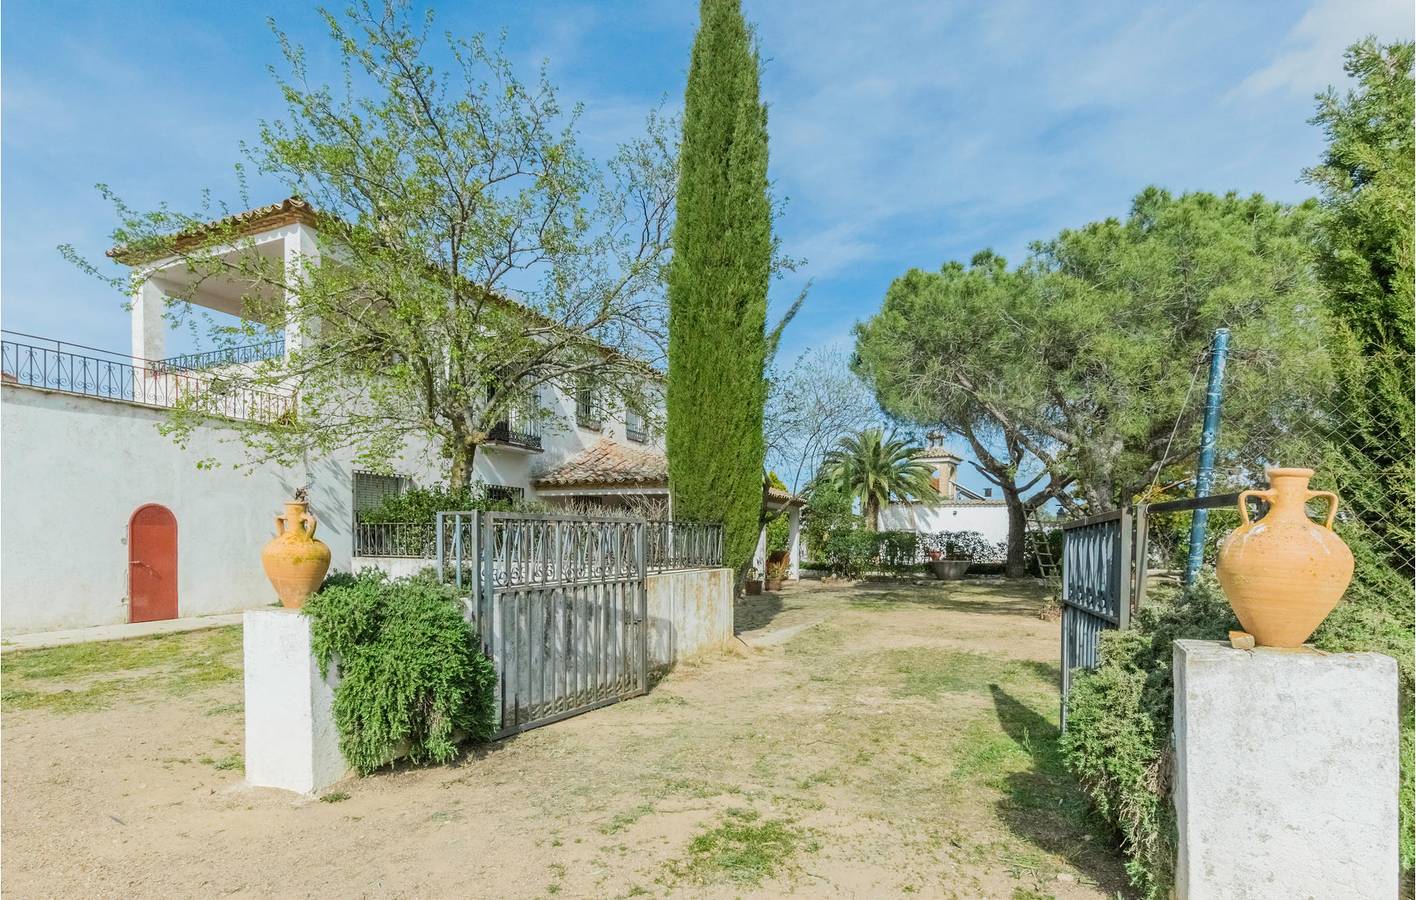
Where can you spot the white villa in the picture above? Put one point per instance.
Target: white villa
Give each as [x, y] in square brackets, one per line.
[959, 509]
[93, 491]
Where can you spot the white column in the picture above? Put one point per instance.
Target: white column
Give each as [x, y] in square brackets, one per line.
[301, 252]
[149, 331]
[759, 556]
[1285, 773]
[291, 739]
[794, 542]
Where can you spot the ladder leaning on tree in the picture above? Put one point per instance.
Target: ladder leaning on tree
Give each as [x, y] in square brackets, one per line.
[1047, 565]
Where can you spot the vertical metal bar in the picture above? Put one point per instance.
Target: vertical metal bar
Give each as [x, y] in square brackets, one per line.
[641, 590]
[1204, 471]
[1123, 571]
[442, 569]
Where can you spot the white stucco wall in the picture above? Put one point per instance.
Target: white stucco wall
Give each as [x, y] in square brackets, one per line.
[73, 470]
[988, 519]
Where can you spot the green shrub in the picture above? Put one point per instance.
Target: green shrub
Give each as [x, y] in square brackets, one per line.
[422, 504]
[1117, 741]
[897, 551]
[412, 675]
[849, 552]
[779, 532]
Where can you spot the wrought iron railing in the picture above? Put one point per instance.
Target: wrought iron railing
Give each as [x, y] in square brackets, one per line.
[638, 434]
[415, 540]
[520, 434]
[251, 353]
[684, 545]
[43, 363]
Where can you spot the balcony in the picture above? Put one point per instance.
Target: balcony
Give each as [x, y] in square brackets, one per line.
[516, 434]
[230, 356]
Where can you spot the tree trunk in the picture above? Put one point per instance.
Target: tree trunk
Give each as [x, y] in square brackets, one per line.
[872, 515]
[464, 454]
[1017, 563]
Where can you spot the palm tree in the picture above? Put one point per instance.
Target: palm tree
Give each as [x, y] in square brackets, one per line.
[877, 469]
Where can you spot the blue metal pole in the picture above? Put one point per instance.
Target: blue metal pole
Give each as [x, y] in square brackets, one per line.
[1204, 472]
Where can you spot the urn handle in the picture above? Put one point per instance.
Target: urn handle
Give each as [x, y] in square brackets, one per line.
[1332, 506]
[310, 522]
[1244, 502]
[279, 525]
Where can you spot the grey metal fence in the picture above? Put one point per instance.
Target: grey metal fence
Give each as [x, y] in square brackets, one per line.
[560, 605]
[683, 545]
[1098, 587]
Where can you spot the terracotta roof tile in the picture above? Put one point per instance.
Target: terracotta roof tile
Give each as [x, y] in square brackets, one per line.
[608, 464]
[250, 221]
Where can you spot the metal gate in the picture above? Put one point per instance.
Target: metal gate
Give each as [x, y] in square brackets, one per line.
[1097, 587]
[560, 605]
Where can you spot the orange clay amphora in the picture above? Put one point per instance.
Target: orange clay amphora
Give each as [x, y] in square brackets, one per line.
[295, 562]
[1284, 573]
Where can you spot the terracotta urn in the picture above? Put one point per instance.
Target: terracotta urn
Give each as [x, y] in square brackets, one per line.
[295, 561]
[1284, 573]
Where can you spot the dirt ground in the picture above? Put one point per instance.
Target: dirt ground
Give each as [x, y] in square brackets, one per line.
[862, 741]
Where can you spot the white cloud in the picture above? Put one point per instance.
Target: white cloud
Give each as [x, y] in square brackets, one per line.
[1311, 54]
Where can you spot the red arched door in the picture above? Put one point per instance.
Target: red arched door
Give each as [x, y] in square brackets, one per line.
[152, 564]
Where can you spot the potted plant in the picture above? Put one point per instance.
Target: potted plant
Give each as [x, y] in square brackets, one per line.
[776, 573]
[955, 554]
[752, 585]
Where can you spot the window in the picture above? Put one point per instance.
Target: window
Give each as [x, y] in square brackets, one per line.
[505, 493]
[634, 426]
[370, 490]
[587, 406]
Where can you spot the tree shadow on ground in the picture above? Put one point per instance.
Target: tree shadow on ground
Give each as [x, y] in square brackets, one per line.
[1020, 597]
[755, 611]
[1045, 806]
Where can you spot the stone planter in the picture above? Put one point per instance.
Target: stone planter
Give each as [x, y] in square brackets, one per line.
[294, 561]
[774, 584]
[1284, 573]
[948, 569]
[752, 587]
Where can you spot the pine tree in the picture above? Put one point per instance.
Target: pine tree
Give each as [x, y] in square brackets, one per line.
[718, 287]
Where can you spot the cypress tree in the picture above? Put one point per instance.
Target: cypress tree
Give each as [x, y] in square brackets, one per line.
[717, 287]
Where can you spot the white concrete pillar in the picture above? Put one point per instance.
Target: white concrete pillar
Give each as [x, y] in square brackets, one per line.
[301, 253]
[759, 556]
[291, 739]
[1285, 773]
[149, 330]
[794, 542]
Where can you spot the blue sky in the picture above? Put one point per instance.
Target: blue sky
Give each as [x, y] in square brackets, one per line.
[903, 134]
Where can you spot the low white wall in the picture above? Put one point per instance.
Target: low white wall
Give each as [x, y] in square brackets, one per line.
[395, 566]
[689, 612]
[988, 519]
[1285, 773]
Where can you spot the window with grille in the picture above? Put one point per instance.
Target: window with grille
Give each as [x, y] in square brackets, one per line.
[505, 493]
[587, 406]
[370, 489]
[634, 428]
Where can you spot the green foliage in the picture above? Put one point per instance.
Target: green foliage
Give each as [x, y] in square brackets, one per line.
[828, 510]
[897, 551]
[717, 287]
[876, 469]
[411, 671]
[419, 504]
[849, 552]
[1118, 729]
[1363, 251]
[1080, 364]
[435, 175]
[779, 532]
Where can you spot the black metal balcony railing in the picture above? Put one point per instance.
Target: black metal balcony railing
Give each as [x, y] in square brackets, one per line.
[414, 540]
[251, 353]
[636, 433]
[517, 434]
[110, 376]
